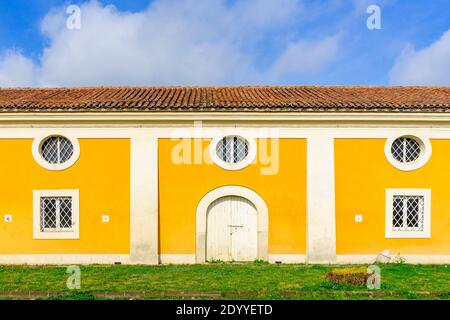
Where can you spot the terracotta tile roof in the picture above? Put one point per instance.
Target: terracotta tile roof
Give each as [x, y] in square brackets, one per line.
[219, 99]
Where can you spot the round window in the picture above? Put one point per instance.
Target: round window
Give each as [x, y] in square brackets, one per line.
[232, 152]
[56, 149]
[55, 152]
[232, 149]
[406, 149]
[408, 152]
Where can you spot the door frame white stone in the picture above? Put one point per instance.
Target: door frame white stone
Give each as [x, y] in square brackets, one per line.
[250, 195]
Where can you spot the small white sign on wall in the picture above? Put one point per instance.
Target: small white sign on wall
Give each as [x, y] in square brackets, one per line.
[105, 218]
[8, 218]
[358, 218]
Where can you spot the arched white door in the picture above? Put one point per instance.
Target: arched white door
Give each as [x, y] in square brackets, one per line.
[231, 232]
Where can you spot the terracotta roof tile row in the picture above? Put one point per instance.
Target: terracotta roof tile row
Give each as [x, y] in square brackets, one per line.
[222, 99]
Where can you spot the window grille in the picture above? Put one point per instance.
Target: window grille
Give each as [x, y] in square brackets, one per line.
[405, 149]
[56, 213]
[408, 213]
[232, 149]
[57, 149]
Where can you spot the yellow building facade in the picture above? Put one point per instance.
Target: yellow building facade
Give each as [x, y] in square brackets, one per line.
[376, 176]
[189, 186]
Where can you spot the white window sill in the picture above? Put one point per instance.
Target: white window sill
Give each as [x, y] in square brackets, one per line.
[56, 235]
[407, 235]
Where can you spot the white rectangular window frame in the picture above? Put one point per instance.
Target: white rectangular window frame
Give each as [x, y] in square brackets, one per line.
[391, 231]
[72, 233]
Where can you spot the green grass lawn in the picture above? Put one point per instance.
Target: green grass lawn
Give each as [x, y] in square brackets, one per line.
[223, 281]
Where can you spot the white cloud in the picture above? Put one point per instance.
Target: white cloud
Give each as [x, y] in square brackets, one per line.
[428, 66]
[305, 57]
[172, 42]
[16, 70]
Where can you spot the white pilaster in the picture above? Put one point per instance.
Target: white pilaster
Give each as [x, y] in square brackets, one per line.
[321, 225]
[144, 199]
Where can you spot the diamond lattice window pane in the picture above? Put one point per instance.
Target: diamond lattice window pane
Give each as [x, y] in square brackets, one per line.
[408, 213]
[397, 216]
[413, 210]
[240, 151]
[49, 150]
[232, 149]
[65, 149]
[224, 148]
[412, 150]
[405, 149]
[48, 213]
[65, 212]
[57, 149]
[56, 213]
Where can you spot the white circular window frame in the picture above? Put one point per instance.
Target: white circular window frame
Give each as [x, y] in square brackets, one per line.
[424, 156]
[228, 165]
[36, 150]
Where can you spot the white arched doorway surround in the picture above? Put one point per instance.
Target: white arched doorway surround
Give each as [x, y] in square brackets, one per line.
[262, 218]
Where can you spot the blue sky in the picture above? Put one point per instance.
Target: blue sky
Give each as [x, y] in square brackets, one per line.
[224, 42]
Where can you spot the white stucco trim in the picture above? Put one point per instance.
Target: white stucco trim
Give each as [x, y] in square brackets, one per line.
[40, 139]
[144, 199]
[233, 166]
[252, 196]
[287, 258]
[427, 258]
[62, 259]
[210, 130]
[139, 117]
[74, 233]
[190, 258]
[177, 258]
[320, 219]
[355, 258]
[409, 258]
[425, 151]
[426, 232]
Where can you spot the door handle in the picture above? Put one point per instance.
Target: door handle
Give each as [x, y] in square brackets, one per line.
[235, 227]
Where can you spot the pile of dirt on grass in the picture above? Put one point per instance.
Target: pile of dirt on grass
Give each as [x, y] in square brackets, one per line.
[353, 276]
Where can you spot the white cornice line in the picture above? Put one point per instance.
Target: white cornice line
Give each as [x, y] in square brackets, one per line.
[223, 116]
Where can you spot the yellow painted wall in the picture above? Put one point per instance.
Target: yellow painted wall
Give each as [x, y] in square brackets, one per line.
[362, 175]
[102, 174]
[182, 186]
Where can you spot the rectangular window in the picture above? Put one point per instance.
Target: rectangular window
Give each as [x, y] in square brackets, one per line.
[56, 214]
[408, 213]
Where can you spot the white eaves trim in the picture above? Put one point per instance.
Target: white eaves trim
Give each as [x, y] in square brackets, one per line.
[142, 117]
